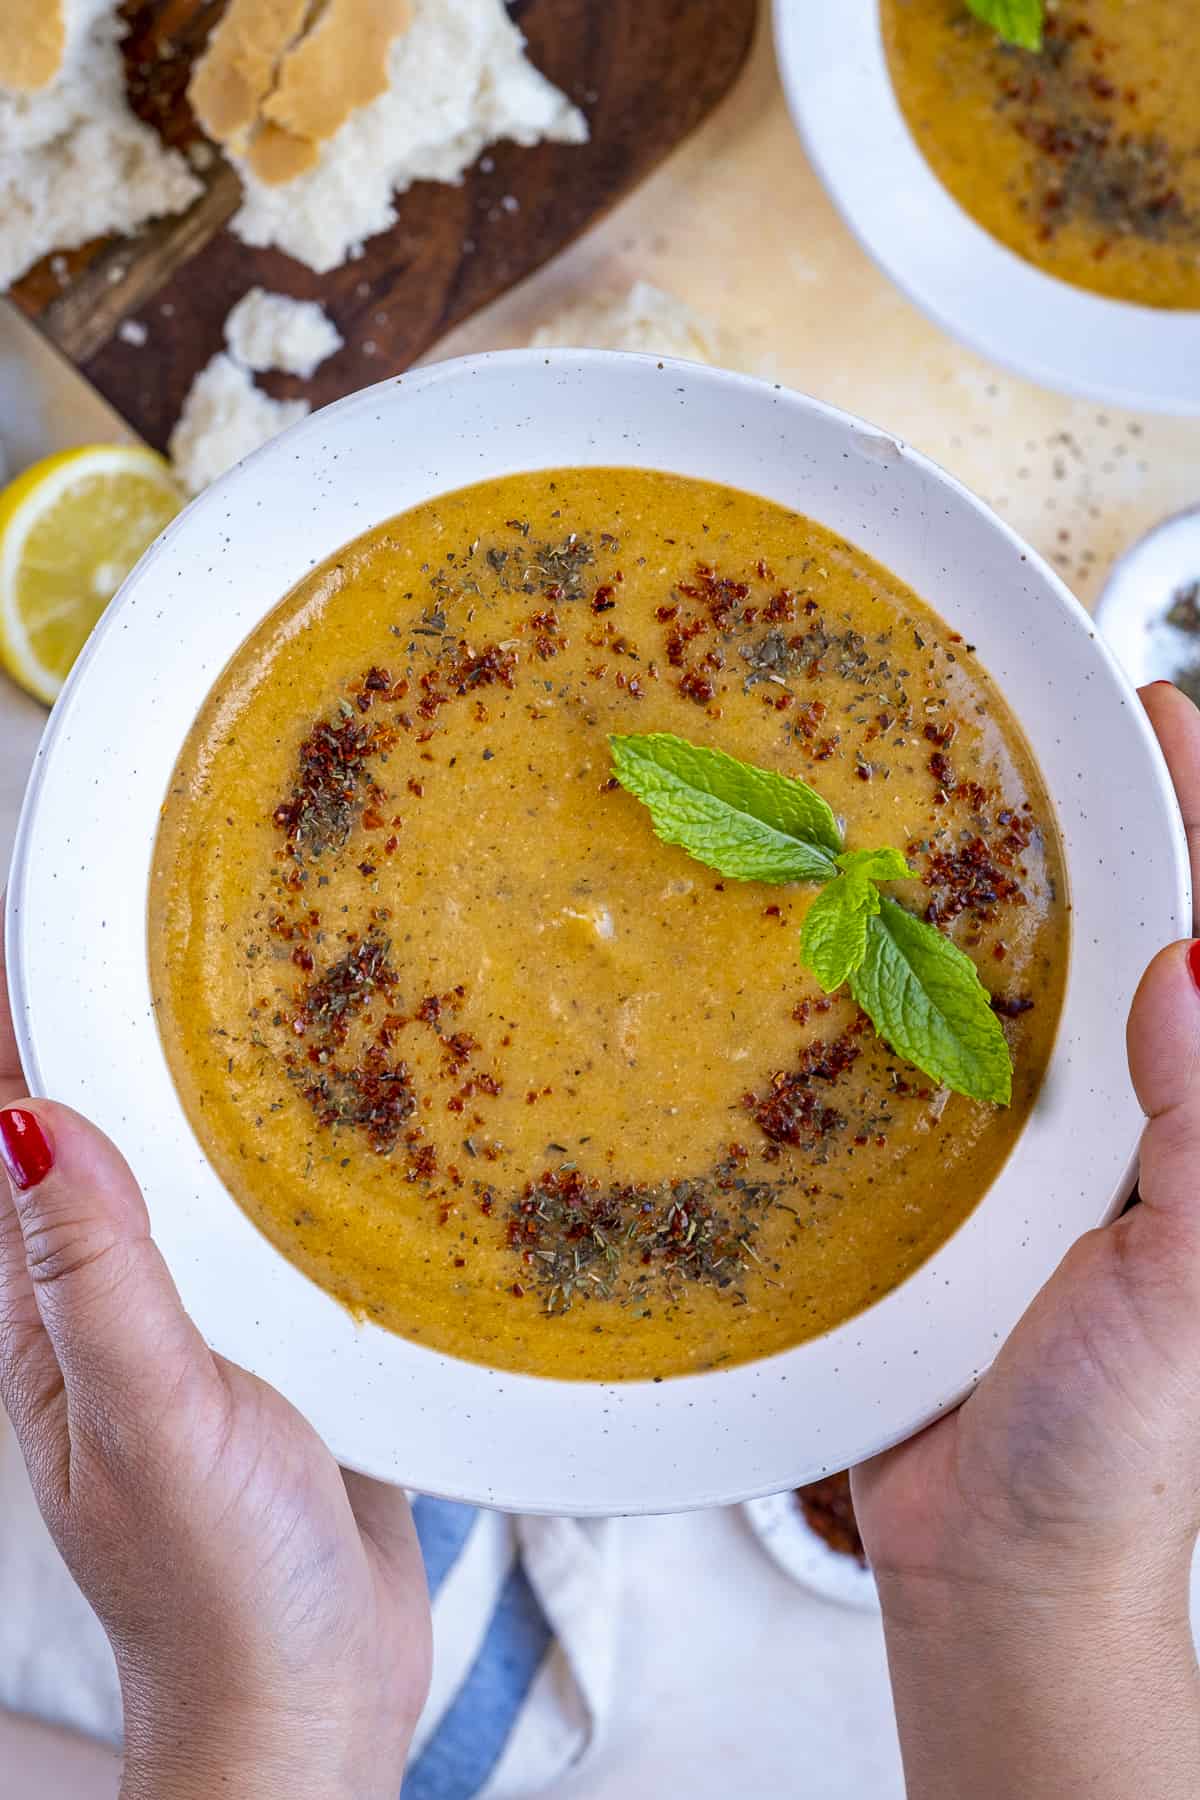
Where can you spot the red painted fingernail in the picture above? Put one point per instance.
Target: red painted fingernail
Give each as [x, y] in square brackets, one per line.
[1193, 959]
[24, 1148]
[1161, 682]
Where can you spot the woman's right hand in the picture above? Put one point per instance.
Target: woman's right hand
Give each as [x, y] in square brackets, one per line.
[268, 1612]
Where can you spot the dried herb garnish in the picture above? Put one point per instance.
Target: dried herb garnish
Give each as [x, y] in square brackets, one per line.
[1090, 165]
[1184, 615]
[581, 1240]
[558, 569]
[332, 785]
[375, 1097]
[326, 1006]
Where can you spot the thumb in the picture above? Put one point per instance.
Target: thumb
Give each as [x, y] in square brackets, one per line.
[91, 1324]
[1164, 1060]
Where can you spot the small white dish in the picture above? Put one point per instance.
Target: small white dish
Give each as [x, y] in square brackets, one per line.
[80, 979]
[835, 75]
[1140, 590]
[779, 1524]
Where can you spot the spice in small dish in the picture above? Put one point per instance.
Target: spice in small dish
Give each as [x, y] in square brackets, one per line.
[828, 1509]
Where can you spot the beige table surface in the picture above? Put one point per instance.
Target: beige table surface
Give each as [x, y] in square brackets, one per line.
[733, 1680]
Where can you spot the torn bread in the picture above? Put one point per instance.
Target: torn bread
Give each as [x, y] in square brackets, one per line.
[74, 162]
[33, 42]
[454, 78]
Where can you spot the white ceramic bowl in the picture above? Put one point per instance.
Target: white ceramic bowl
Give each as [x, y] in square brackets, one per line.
[77, 937]
[835, 76]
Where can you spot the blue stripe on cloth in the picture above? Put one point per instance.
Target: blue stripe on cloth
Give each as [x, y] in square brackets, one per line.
[443, 1527]
[470, 1739]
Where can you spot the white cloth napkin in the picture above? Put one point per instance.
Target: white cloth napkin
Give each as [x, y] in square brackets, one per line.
[524, 1615]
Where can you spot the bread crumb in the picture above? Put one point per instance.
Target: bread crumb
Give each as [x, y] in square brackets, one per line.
[273, 331]
[132, 331]
[224, 418]
[458, 80]
[644, 318]
[74, 162]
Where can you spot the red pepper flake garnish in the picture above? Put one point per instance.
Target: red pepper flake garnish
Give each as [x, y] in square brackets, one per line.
[331, 779]
[696, 687]
[792, 1112]
[328, 1004]
[1011, 1006]
[375, 1097]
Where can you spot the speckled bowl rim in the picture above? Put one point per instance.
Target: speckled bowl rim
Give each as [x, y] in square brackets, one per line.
[80, 984]
[835, 76]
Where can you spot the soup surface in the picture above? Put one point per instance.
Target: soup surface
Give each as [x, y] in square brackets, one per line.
[1083, 158]
[479, 1053]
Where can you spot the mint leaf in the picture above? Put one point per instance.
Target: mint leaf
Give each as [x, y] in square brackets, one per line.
[873, 865]
[833, 941]
[924, 998]
[1018, 22]
[749, 824]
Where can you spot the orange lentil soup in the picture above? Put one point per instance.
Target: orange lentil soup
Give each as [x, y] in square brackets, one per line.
[1084, 158]
[481, 1055]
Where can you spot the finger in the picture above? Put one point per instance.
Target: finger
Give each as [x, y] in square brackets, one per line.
[1163, 1039]
[12, 1081]
[1176, 725]
[31, 1384]
[385, 1517]
[110, 1313]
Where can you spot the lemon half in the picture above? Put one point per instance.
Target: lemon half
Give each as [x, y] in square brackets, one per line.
[71, 528]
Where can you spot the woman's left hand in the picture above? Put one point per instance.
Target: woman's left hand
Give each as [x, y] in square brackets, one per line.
[267, 1612]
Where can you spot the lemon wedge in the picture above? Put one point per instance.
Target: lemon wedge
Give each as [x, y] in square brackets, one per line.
[71, 528]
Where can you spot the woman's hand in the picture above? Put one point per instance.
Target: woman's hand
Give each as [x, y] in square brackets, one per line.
[1033, 1548]
[267, 1612]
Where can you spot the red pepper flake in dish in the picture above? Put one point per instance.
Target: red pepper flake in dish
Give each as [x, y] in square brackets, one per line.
[828, 1508]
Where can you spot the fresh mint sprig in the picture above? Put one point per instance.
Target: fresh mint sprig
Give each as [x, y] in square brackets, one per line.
[1018, 22]
[921, 993]
[749, 824]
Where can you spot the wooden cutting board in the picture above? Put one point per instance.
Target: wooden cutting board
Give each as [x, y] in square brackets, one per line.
[645, 73]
